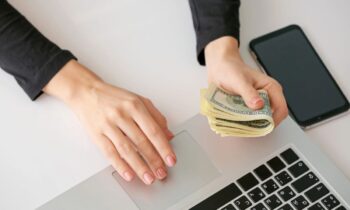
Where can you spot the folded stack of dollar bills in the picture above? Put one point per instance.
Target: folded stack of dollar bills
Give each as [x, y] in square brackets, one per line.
[228, 115]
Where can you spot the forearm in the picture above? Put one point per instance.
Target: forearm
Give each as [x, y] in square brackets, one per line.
[214, 19]
[26, 54]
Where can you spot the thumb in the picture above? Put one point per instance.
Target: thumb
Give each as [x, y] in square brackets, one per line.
[251, 97]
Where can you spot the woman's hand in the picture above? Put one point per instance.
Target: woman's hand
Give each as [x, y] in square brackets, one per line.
[129, 130]
[227, 70]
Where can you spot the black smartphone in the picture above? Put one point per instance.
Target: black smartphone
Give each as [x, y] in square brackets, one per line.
[311, 92]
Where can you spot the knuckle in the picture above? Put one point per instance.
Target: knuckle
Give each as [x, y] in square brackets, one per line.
[125, 148]
[104, 125]
[243, 77]
[109, 151]
[115, 114]
[147, 100]
[155, 161]
[118, 165]
[133, 103]
[155, 131]
[248, 79]
[141, 171]
[163, 120]
[280, 87]
[151, 156]
[141, 168]
[143, 145]
[245, 86]
[220, 84]
[120, 171]
[285, 113]
[277, 84]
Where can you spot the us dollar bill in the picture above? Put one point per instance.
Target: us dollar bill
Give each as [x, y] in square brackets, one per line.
[235, 104]
[228, 115]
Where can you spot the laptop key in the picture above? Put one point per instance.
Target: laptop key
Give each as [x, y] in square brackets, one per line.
[316, 206]
[256, 194]
[289, 156]
[298, 169]
[300, 202]
[276, 164]
[283, 178]
[242, 203]
[228, 207]
[219, 198]
[330, 201]
[286, 207]
[341, 208]
[286, 193]
[263, 172]
[269, 186]
[305, 182]
[316, 192]
[259, 206]
[273, 202]
[247, 181]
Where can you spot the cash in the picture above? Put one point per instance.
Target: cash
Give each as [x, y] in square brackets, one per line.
[228, 115]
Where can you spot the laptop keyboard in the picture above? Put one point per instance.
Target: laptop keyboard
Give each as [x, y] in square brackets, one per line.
[284, 182]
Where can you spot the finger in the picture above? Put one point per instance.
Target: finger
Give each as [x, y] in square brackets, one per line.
[158, 117]
[155, 134]
[128, 152]
[250, 96]
[278, 102]
[144, 146]
[109, 150]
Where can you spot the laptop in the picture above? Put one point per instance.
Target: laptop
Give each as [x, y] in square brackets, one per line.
[282, 171]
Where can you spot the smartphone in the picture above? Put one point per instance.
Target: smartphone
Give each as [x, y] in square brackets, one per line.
[311, 92]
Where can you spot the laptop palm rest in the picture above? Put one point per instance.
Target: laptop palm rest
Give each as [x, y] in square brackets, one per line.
[193, 170]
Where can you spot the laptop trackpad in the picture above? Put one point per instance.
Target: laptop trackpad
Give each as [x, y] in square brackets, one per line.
[193, 170]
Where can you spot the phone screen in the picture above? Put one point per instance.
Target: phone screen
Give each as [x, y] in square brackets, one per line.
[311, 92]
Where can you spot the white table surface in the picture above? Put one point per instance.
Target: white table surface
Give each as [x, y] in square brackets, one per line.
[147, 47]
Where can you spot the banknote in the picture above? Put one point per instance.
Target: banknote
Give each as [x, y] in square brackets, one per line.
[228, 115]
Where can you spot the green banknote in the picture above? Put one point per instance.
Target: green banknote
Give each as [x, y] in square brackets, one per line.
[228, 115]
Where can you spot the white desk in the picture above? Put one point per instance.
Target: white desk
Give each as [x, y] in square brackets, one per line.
[147, 47]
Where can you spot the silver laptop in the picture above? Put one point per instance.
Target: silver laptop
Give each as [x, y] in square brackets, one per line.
[282, 171]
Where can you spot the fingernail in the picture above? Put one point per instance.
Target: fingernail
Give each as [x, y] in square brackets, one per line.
[161, 173]
[148, 178]
[256, 100]
[169, 133]
[170, 160]
[128, 176]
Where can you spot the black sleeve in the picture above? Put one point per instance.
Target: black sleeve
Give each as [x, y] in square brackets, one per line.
[213, 19]
[26, 54]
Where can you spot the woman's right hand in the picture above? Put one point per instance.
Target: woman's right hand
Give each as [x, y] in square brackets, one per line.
[227, 70]
[128, 128]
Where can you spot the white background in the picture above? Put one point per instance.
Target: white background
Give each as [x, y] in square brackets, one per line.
[147, 47]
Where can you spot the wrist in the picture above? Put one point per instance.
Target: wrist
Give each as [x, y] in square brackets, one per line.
[221, 49]
[71, 82]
